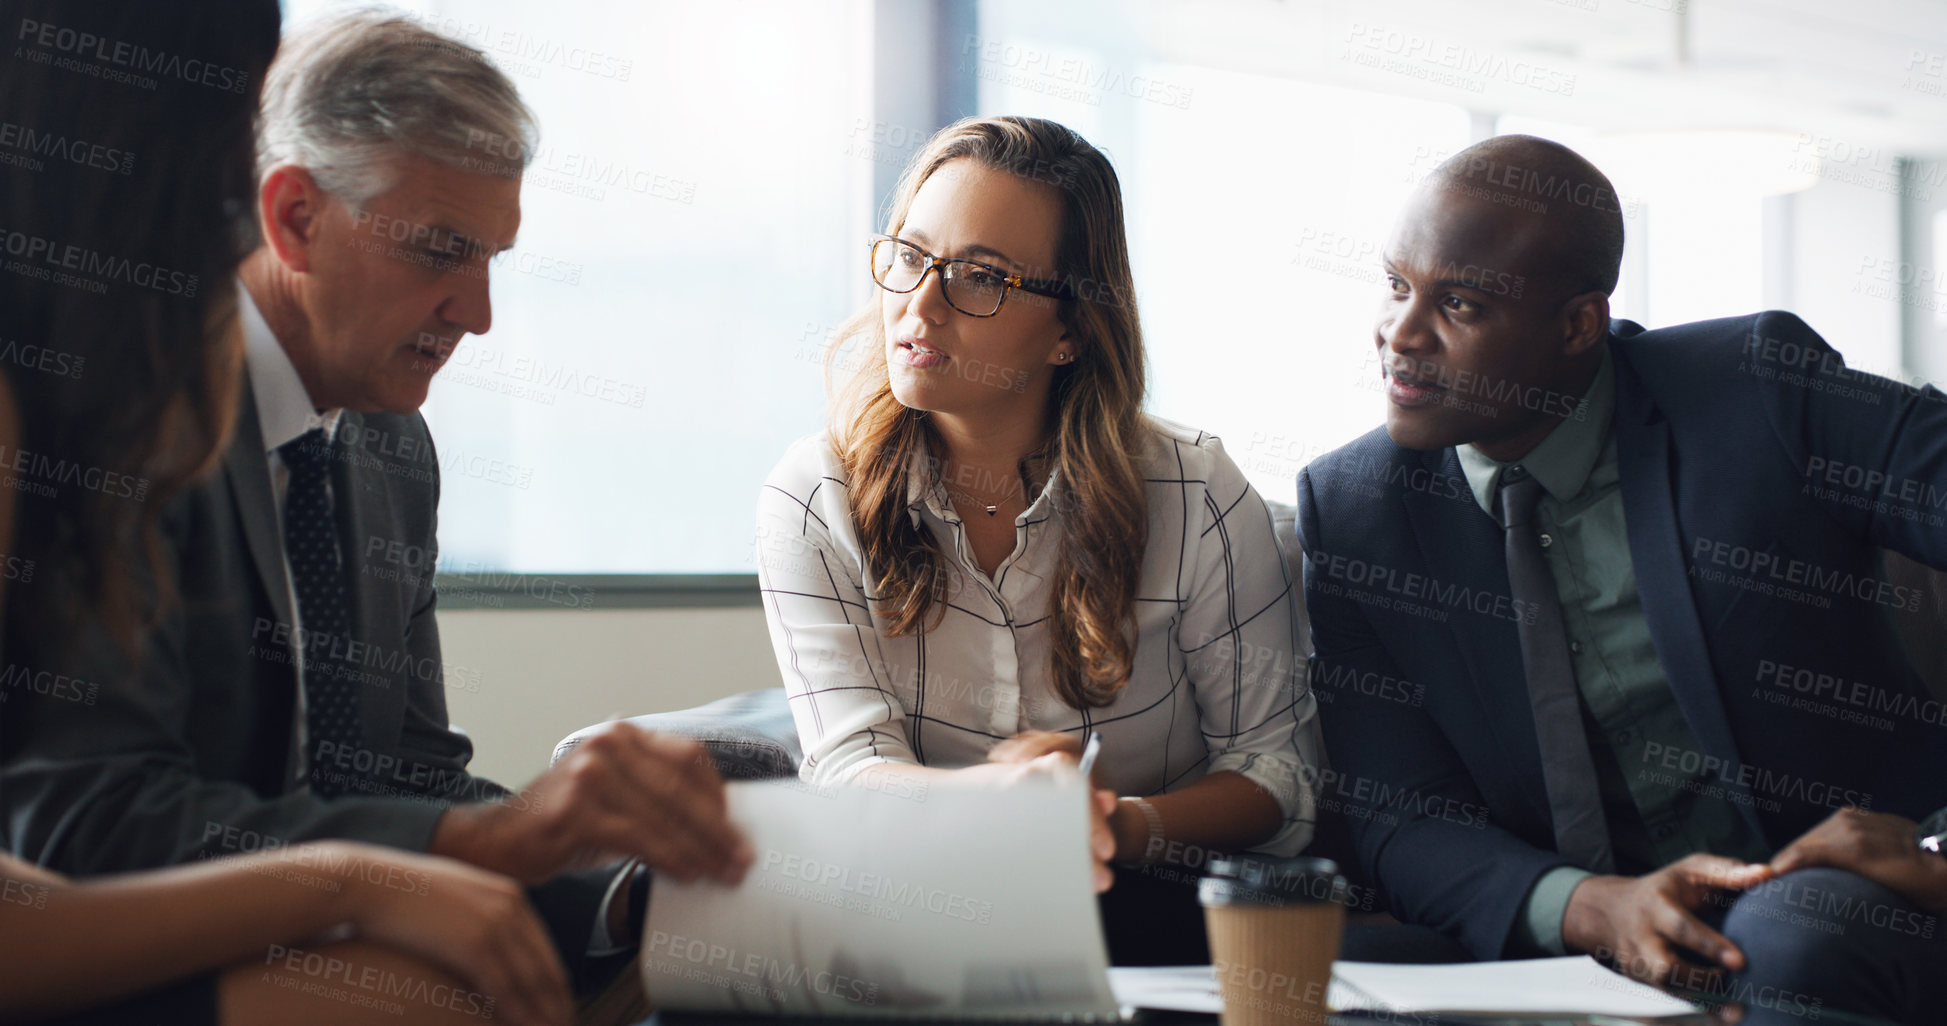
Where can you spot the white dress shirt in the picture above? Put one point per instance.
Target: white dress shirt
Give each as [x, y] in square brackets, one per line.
[1218, 681]
[284, 414]
[284, 410]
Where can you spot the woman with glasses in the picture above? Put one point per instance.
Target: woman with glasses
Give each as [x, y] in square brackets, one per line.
[993, 553]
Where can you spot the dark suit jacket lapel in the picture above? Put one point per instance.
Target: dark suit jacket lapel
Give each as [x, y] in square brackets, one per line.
[364, 512]
[1461, 547]
[1662, 578]
[247, 472]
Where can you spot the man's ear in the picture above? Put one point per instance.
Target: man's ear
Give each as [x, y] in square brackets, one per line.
[1585, 322]
[290, 208]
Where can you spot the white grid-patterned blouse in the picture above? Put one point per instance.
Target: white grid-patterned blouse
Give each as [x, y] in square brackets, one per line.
[1218, 682]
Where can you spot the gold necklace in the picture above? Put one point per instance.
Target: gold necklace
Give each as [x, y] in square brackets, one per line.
[1028, 490]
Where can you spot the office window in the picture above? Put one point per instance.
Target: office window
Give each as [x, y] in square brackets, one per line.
[1705, 257]
[691, 232]
[1725, 224]
[1939, 263]
[1257, 210]
[1694, 249]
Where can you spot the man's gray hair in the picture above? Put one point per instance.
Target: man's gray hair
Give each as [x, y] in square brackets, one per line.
[351, 94]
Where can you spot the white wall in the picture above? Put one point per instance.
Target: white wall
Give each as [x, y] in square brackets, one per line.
[521, 680]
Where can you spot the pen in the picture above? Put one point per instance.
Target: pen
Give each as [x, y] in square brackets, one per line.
[1089, 752]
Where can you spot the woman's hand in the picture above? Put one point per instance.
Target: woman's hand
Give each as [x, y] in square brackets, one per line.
[475, 923]
[1102, 836]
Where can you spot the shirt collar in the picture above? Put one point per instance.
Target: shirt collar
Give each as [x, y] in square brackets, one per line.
[284, 408]
[1563, 460]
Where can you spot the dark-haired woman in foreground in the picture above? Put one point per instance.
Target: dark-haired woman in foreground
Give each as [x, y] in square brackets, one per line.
[993, 552]
[119, 363]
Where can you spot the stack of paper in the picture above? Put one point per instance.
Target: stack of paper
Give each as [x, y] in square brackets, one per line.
[1573, 986]
[1577, 985]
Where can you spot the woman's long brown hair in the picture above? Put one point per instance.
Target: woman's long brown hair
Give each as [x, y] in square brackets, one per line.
[1099, 435]
[125, 375]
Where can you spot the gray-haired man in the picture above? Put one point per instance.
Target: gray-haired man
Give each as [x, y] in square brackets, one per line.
[294, 689]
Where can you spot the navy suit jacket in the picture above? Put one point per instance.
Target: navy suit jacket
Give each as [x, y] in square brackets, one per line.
[1761, 479]
[193, 752]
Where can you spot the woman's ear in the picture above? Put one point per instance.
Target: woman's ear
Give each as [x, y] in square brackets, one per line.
[1067, 348]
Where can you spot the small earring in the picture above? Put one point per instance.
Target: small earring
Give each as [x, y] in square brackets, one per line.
[1061, 357]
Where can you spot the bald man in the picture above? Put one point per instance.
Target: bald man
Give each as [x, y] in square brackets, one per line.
[1632, 583]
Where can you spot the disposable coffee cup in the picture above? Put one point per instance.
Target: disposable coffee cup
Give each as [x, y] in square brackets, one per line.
[1274, 929]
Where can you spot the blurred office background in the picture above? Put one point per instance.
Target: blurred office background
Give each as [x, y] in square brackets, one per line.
[695, 217]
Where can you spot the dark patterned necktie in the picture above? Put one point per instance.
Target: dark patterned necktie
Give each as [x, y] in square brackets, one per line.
[1567, 767]
[323, 608]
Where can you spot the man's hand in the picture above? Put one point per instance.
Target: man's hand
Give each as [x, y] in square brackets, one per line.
[1876, 846]
[1646, 925]
[622, 792]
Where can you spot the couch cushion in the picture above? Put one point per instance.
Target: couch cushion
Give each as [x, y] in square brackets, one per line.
[751, 736]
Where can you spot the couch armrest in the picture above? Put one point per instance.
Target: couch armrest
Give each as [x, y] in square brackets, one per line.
[751, 736]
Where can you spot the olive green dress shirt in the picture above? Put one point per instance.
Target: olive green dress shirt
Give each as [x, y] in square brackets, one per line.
[1655, 817]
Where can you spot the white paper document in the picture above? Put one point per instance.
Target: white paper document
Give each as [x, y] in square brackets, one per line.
[909, 900]
[1170, 988]
[1577, 985]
